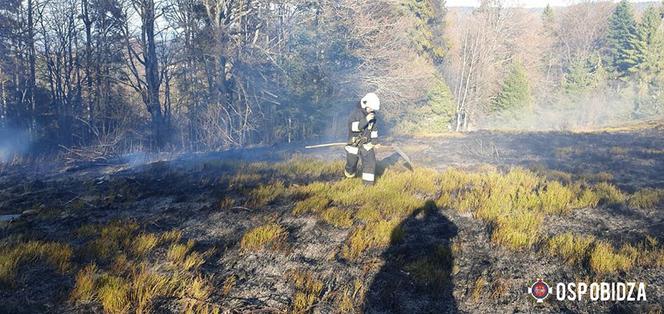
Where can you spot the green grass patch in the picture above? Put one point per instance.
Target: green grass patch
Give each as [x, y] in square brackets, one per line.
[314, 204]
[337, 217]
[373, 235]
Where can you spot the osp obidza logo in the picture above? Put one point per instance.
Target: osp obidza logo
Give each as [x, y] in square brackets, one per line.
[595, 291]
[539, 290]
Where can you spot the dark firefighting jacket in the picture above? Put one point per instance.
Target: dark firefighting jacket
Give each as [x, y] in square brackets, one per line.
[361, 131]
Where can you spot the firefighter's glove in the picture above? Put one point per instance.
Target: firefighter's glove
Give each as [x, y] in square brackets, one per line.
[371, 116]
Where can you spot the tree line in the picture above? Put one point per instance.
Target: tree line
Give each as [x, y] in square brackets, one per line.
[583, 65]
[119, 75]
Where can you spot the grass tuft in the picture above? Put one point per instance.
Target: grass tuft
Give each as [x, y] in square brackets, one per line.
[308, 290]
[144, 244]
[170, 236]
[114, 294]
[585, 197]
[229, 284]
[478, 288]
[270, 236]
[266, 194]
[373, 235]
[556, 198]
[646, 198]
[604, 259]
[177, 252]
[314, 204]
[432, 271]
[519, 230]
[132, 283]
[84, 287]
[609, 194]
[12, 257]
[147, 286]
[572, 248]
[337, 217]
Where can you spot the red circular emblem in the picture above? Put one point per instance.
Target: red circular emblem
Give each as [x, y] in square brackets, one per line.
[539, 290]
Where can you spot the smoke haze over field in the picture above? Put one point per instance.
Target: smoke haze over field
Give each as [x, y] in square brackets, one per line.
[13, 143]
[527, 3]
[590, 111]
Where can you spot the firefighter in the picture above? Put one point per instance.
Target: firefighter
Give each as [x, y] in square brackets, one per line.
[362, 137]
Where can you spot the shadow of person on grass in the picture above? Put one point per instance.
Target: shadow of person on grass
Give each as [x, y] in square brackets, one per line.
[416, 276]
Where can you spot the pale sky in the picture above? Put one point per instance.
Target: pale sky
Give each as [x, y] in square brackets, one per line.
[526, 3]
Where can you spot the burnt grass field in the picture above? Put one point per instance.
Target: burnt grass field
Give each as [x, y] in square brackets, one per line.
[276, 229]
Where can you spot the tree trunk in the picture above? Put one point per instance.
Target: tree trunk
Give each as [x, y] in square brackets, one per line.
[31, 60]
[152, 78]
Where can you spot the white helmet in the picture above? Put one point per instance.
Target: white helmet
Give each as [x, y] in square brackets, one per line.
[371, 101]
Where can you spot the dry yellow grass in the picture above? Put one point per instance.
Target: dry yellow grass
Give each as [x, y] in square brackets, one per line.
[478, 288]
[12, 257]
[112, 238]
[177, 252]
[601, 257]
[604, 259]
[433, 270]
[314, 204]
[270, 236]
[556, 198]
[572, 248]
[147, 285]
[500, 288]
[519, 230]
[609, 194]
[266, 194]
[307, 169]
[84, 287]
[368, 214]
[229, 284]
[646, 198]
[198, 290]
[170, 236]
[346, 302]
[337, 217]
[132, 283]
[242, 180]
[144, 243]
[308, 290]
[585, 197]
[113, 294]
[372, 235]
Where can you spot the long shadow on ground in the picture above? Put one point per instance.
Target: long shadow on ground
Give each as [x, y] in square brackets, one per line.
[416, 276]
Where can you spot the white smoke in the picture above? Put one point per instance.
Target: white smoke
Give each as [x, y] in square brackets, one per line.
[13, 143]
[602, 108]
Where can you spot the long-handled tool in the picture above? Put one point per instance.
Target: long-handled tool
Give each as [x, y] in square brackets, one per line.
[327, 145]
[396, 149]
